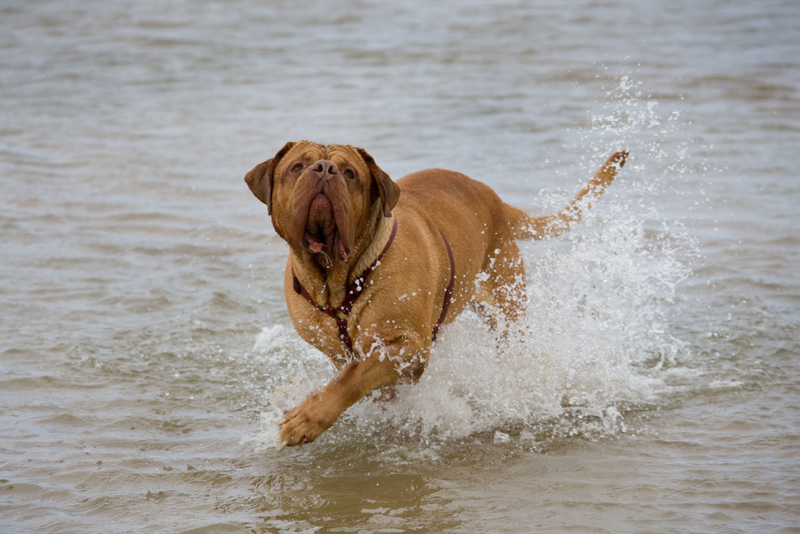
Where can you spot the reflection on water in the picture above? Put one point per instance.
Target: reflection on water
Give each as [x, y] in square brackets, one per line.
[145, 345]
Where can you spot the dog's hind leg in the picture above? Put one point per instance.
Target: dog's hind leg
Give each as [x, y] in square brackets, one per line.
[501, 296]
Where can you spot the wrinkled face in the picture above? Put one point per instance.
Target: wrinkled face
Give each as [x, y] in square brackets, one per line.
[321, 196]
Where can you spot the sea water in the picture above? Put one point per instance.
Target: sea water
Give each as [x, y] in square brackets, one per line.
[145, 347]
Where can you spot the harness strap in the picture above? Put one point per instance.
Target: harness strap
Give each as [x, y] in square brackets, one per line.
[448, 294]
[341, 322]
[354, 290]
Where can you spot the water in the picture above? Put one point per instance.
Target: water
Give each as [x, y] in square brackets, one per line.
[145, 344]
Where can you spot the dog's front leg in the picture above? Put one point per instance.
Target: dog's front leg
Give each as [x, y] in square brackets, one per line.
[392, 363]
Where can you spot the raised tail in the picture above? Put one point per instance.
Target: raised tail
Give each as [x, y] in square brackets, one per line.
[526, 226]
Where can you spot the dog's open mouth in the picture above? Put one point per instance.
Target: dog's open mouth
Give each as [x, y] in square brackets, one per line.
[321, 231]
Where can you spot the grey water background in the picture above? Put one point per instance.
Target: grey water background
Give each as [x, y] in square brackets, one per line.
[144, 342]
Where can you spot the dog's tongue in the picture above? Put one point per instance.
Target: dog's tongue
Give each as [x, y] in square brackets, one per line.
[314, 245]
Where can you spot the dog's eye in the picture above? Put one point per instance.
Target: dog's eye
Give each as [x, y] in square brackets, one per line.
[297, 167]
[349, 173]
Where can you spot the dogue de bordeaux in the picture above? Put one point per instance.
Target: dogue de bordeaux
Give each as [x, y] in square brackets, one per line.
[376, 266]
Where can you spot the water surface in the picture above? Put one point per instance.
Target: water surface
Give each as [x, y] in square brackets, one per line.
[145, 345]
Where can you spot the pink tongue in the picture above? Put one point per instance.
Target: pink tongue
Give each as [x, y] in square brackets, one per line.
[313, 245]
[316, 246]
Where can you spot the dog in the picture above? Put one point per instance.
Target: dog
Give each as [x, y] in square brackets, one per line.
[376, 266]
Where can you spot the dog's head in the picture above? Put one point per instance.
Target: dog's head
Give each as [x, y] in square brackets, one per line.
[321, 197]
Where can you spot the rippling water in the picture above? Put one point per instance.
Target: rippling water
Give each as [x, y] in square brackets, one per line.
[146, 349]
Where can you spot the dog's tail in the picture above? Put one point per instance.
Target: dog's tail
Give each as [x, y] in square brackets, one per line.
[526, 226]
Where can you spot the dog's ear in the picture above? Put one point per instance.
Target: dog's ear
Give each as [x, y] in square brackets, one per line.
[387, 189]
[261, 178]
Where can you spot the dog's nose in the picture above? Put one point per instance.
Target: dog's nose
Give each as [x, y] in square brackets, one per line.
[325, 168]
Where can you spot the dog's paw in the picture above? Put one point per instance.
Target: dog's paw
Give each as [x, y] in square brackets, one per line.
[304, 423]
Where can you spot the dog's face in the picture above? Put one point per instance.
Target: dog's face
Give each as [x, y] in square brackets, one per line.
[321, 197]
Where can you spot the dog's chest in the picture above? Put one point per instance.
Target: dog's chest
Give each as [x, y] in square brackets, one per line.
[318, 328]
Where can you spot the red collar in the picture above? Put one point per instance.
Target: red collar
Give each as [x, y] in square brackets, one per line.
[354, 290]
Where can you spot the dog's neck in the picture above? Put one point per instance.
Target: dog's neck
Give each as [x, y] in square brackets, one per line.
[325, 279]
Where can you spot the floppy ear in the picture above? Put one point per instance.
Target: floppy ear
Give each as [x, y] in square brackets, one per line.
[387, 189]
[262, 176]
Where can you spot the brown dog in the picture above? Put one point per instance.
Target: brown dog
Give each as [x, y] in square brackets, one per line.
[375, 267]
